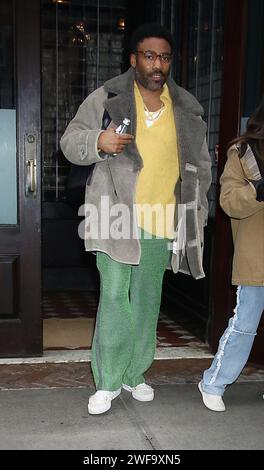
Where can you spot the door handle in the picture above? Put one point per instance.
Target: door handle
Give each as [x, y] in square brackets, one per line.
[30, 141]
[31, 164]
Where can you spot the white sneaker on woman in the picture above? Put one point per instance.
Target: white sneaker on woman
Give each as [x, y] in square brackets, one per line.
[100, 402]
[213, 402]
[141, 392]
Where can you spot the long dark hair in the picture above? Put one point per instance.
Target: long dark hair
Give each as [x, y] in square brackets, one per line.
[254, 133]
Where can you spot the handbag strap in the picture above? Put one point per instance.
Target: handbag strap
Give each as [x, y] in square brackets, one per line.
[248, 162]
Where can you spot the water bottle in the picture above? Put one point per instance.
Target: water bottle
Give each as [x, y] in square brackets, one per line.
[122, 128]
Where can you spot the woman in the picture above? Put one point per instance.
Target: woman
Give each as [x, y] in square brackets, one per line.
[242, 196]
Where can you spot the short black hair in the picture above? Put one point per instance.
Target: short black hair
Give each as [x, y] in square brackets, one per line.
[150, 30]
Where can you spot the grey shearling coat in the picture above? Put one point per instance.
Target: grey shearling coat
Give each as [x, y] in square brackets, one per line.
[116, 177]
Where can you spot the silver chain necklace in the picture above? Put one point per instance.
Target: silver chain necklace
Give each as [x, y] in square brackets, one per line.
[153, 115]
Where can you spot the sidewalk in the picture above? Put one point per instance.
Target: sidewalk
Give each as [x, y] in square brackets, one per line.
[176, 419]
[56, 418]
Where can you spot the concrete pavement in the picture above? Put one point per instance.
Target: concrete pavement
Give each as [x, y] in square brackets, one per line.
[58, 419]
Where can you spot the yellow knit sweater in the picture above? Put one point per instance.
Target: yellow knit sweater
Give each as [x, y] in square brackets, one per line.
[158, 148]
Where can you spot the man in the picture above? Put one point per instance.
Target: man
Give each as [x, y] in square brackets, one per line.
[162, 163]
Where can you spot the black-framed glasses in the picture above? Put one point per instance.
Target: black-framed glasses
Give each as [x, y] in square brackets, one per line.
[151, 56]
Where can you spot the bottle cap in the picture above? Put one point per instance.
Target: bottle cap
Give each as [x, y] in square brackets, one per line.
[126, 121]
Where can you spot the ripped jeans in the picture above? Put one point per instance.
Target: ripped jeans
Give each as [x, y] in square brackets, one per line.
[236, 342]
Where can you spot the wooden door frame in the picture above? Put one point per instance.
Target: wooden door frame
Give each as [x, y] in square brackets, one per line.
[21, 332]
[235, 36]
[30, 92]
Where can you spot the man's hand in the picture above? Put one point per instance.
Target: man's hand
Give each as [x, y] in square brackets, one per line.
[110, 142]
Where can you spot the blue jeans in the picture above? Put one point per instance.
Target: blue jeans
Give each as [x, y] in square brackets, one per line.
[236, 342]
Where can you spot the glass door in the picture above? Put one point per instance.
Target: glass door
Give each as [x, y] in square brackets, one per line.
[20, 320]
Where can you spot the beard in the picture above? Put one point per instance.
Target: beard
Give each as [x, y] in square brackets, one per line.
[147, 82]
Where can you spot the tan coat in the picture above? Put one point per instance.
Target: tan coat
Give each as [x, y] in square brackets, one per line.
[238, 200]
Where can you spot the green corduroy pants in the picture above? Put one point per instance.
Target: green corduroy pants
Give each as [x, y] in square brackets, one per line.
[124, 341]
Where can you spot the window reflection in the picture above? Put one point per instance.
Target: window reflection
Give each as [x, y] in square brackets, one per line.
[8, 163]
[7, 66]
[82, 47]
[198, 33]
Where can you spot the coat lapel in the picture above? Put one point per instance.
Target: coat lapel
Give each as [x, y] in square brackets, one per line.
[123, 106]
[191, 131]
[190, 127]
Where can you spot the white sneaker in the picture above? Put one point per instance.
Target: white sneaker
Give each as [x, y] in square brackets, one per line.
[141, 392]
[213, 402]
[100, 402]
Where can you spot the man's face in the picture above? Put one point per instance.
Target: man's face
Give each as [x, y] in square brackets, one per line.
[151, 70]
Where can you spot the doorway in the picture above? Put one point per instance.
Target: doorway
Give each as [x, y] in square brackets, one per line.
[82, 47]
